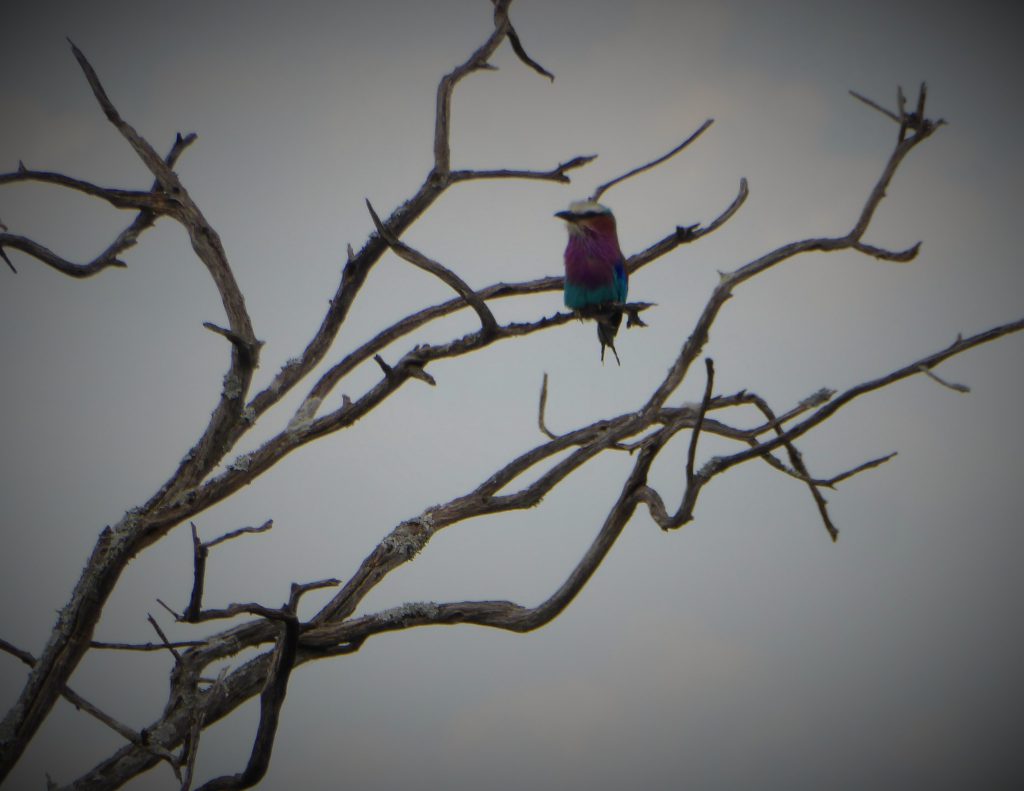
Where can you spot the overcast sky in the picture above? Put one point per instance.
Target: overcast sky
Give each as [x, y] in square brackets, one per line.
[746, 650]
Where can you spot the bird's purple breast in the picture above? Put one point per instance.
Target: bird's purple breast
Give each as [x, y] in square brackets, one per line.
[590, 260]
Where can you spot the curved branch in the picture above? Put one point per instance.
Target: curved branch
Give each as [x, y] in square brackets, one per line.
[501, 18]
[118, 198]
[654, 163]
[150, 204]
[51, 259]
[687, 234]
[475, 62]
[506, 615]
[161, 172]
[417, 259]
[917, 367]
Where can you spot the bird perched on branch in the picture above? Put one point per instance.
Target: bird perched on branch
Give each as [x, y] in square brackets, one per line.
[595, 270]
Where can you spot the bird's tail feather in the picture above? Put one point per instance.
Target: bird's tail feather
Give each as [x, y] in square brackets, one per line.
[607, 328]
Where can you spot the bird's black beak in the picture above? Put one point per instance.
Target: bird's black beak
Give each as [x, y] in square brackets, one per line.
[568, 216]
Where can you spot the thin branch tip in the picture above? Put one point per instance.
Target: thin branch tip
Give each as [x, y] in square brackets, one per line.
[653, 163]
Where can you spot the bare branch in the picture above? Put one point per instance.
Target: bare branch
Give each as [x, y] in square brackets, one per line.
[51, 259]
[145, 647]
[14, 651]
[273, 694]
[896, 256]
[654, 163]
[691, 454]
[118, 198]
[163, 638]
[540, 409]
[475, 62]
[161, 172]
[687, 234]
[505, 615]
[868, 465]
[812, 401]
[555, 174]
[417, 259]
[958, 347]
[7, 260]
[82, 704]
[151, 205]
[796, 458]
[173, 613]
[248, 350]
[501, 18]
[875, 106]
[200, 551]
[959, 388]
[240, 532]
[197, 719]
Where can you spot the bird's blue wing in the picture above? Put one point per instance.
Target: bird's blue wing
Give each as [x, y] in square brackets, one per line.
[621, 281]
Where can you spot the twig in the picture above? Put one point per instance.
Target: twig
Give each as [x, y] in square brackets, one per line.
[823, 413]
[831, 482]
[687, 234]
[151, 205]
[82, 704]
[240, 532]
[475, 62]
[149, 200]
[417, 259]
[174, 614]
[51, 259]
[875, 106]
[273, 695]
[247, 349]
[691, 453]
[163, 638]
[501, 17]
[894, 256]
[555, 174]
[796, 458]
[14, 651]
[197, 720]
[541, 407]
[812, 401]
[200, 552]
[951, 385]
[606, 186]
[8, 260]
[107, 646]
[145, 151]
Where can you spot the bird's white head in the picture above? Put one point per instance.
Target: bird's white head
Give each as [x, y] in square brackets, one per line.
[584, 209]
[588, 215]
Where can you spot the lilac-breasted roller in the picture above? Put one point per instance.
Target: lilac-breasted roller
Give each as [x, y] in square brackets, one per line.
[595, 270]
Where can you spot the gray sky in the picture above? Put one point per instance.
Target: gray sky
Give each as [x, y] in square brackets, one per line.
[745, 650]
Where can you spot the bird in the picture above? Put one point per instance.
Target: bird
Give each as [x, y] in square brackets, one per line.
[596, 281]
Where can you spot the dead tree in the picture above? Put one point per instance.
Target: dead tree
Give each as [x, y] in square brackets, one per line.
[212, 470]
